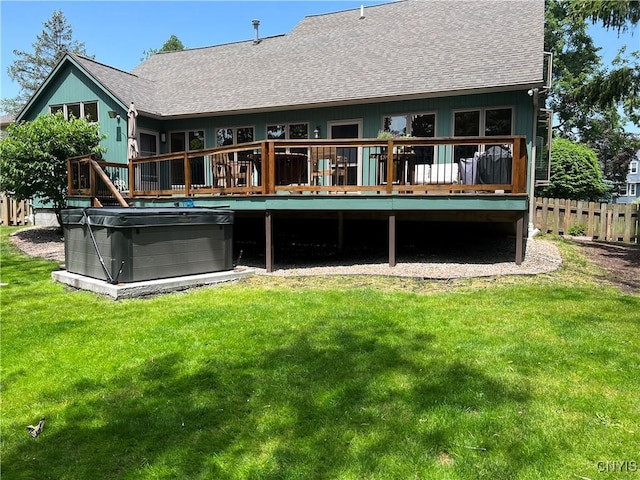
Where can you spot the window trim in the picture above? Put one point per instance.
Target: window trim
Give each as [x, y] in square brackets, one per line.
[235, 133]
[483, 118]
[286, 131]
[65, 109]
[633, 167]
[408, 116]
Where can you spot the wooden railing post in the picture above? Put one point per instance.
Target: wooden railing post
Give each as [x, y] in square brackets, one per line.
[390, 167]
[70, 189]
[187, 175]
[132, 178]
[271, 160]
[519, 167]
[264, 167]
[93, 184]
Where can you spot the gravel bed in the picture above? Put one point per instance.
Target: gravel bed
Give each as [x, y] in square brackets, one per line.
[541, 257]
[480, 261]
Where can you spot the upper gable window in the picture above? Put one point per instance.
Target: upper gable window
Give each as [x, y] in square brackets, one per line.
[633, 167]
[88, 110]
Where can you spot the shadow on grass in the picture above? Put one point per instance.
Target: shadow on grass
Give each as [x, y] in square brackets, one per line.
[324, 404]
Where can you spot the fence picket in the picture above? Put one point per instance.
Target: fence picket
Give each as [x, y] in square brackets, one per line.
[14, 212]
[610, 222]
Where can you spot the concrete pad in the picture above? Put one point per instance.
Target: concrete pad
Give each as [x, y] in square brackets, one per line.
[150, 287]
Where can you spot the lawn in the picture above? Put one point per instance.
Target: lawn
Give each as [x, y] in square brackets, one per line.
[349, 378]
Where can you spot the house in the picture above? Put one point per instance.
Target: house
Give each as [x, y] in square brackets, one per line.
[632, 190]
[5, 121]
[288, 126]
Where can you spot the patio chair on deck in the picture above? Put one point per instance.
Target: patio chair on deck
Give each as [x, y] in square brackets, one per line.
[220, 169]
[241, 173]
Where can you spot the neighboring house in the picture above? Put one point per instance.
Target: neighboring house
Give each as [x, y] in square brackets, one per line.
[430, 69]
[632, 190]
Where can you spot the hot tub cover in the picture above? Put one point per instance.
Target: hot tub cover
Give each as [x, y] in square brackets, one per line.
[146, 217]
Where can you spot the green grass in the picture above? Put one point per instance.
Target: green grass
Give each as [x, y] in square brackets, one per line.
[350, 378]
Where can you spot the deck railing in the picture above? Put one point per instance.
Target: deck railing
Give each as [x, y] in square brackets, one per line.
[103, 182]
[461, 165]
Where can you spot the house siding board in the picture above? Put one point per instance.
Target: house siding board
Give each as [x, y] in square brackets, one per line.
[71, 86]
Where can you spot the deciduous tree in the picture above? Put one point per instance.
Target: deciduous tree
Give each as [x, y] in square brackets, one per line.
[33, 157]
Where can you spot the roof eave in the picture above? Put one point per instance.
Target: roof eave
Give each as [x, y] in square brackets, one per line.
[346, 102]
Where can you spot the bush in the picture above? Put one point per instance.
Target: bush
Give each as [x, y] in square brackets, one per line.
[575, 173]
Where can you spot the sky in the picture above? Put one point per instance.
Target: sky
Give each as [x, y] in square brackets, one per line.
[118, 32]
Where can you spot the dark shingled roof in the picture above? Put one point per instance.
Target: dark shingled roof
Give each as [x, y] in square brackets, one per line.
[404, 49]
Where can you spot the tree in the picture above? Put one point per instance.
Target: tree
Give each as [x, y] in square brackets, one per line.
[575, 59]
[30, 69]
[620, 85]
[575, 172]
[173, 44]
[33, 158]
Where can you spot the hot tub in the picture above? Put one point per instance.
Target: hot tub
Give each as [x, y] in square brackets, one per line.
[123, 245]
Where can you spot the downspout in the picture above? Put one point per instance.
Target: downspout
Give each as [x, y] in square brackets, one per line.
[532, 230]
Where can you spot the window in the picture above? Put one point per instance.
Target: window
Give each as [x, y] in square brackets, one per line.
[413, 125]
[486, 122]
[186, 141]
[234, 136]
[633, 167]
[289, 131]
[148, 144]
[631, 190]
[88, 110]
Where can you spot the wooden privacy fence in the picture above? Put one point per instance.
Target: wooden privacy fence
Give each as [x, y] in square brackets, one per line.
[614, 222]
[14, 212]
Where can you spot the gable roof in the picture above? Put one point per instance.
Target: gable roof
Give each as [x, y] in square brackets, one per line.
[401, 50]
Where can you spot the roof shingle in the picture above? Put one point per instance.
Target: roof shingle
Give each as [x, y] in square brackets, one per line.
[406, 49]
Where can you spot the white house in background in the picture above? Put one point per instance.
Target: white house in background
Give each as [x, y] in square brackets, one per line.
[632, 191]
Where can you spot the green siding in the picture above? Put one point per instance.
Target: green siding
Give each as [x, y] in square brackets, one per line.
[70, 85]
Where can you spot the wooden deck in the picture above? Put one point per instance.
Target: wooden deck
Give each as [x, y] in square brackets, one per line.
[425, 178]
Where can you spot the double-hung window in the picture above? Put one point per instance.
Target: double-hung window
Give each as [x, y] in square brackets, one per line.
[486, 122]
[289, 131]
[413, 125]
[633, 167]
[233, 136]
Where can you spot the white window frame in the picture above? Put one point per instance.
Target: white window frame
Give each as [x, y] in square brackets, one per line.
[483, 122]
[408, 115]
[235, 133]
[65, 109]
[631, 189]
[633, 167]
[483, 117]
[286, 126]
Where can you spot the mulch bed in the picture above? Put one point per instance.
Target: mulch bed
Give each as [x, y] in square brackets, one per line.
[620, 261]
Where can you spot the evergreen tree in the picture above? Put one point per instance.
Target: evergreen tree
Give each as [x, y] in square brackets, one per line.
[30, 69]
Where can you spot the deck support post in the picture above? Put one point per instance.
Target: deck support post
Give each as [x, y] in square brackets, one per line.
[392, 240]
[519, 238]
[340, 232]
[268, 229]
